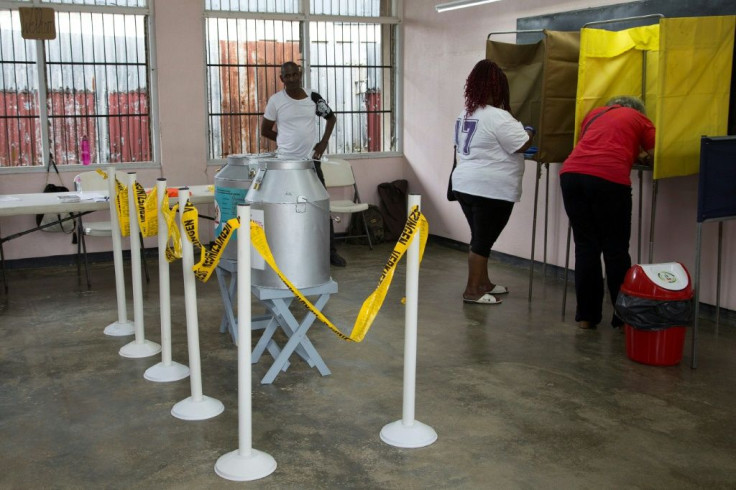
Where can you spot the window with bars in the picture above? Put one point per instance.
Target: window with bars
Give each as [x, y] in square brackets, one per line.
[82, 97]
[346, 47]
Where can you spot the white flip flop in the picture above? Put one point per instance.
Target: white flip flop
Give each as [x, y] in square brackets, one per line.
[486, 299]
[498, 289]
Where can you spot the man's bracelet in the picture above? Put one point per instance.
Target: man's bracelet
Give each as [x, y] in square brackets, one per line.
[530, 129]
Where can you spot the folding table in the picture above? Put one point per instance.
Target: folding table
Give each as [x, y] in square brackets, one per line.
[277, 303]
[45, 202]
[42, 203]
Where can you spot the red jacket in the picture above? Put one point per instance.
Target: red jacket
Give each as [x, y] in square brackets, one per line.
[610, 144]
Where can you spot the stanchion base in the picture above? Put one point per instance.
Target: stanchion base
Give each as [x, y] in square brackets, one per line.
[236, 467]
[135, 350]
[161, 373]
[206, 408]
[415, 435]
[120, 329]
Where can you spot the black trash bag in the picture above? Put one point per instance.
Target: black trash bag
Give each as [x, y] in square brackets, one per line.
[393, 199]
[649, 314]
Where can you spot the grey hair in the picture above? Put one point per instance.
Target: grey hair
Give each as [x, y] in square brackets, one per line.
[628, 101]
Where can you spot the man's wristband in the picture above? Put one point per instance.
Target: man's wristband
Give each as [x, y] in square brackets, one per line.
[530, 129]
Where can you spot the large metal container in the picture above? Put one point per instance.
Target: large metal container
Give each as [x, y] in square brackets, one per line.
[293, 206]
[231, 186]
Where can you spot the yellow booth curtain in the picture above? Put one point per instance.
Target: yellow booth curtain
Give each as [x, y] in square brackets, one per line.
[694, 90]
[681, 67]
[613, 63]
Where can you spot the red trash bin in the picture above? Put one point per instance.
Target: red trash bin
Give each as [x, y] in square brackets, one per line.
[662, 293]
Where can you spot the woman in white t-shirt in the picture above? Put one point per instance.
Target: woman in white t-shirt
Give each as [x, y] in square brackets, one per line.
[490, 165]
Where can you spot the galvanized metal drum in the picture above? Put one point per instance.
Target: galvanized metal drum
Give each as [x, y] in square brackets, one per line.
[294, 208]
[231, 186]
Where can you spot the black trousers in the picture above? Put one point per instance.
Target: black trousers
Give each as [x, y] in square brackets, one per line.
[486, 217]
[600, 215]
[321, 177]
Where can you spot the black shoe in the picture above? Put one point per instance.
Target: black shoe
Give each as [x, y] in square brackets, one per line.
[336, 260]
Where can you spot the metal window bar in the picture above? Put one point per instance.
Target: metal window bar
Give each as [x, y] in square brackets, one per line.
[340, 74]
[244, 57]
[352, 77]
[253, 6]
[20, 130]
[98, 88]
[99, 3]
[96, 84]
[349, 61]
[350, 8]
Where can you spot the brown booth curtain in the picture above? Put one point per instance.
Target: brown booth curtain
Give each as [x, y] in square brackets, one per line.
[543, 85]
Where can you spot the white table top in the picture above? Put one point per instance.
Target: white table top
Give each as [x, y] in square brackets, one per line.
[47, 202]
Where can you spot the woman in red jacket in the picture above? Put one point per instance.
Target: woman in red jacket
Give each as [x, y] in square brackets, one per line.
[596, 190]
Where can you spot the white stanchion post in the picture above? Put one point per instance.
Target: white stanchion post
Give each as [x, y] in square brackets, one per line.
[140, 347]
[245, 463]
[123, 326]
[167, 369]
[197, 406]
[408, 432]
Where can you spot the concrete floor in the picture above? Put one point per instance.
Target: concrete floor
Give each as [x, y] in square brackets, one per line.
[518, 398]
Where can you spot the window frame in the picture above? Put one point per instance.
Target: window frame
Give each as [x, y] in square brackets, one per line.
[60, 6]
[305, 17]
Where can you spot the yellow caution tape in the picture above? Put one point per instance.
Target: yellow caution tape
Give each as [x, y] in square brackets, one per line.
[146, 210]
[208, 259]
[121, 204]
[173, 235]
[415, 223]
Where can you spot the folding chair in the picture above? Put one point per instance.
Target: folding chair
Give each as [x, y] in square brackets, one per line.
[93, 181]
[338, 173]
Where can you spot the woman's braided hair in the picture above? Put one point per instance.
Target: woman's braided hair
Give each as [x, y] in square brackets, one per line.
[486, 81]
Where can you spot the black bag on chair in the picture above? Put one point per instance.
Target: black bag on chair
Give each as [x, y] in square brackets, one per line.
[450, 193]
[393, 202]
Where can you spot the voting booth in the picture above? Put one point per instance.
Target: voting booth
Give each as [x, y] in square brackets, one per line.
[659, 63]
[716, 204]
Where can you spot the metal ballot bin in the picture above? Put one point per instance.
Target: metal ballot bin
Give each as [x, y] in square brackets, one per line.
[231, 186]
[288, 199]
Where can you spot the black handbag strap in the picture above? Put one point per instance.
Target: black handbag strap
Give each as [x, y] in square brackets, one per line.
[52, 163]
[454, 157]
[594, 118]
